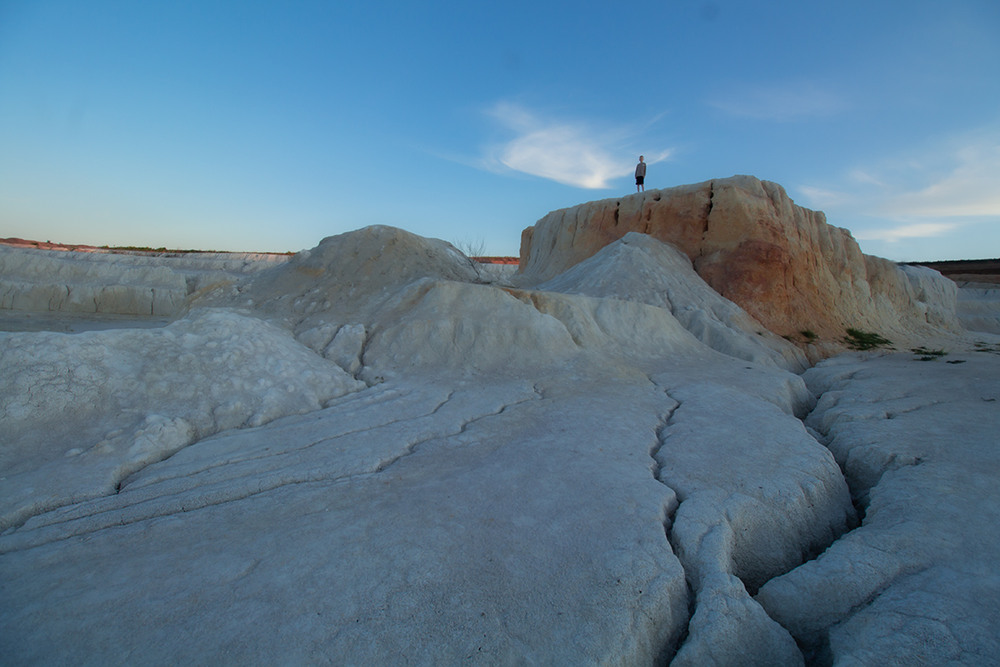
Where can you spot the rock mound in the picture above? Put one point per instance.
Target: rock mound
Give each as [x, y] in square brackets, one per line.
[637, 267]
[382, 301]
[348, 273]
[782, 263]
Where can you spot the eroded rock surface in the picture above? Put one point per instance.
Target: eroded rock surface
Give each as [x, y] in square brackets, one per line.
[370, 454]
[82, 412]
[782, 263]
[640, 268]
[979, 307]
[117, 283]
[918, 441]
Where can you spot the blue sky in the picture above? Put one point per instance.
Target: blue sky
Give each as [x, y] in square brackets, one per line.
[270, 125]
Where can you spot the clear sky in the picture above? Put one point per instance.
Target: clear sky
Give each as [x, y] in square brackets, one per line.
[250, 125]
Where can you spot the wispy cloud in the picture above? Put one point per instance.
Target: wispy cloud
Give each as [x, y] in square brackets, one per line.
[970, 188]
[862, 176]
[925, 194]
[574, 153]
[823, 198]
[895, 234]
[782, 102]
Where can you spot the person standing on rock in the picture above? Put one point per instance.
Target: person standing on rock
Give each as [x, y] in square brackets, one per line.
[640, 176]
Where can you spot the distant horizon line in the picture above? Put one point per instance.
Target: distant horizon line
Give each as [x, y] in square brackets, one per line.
[17, 242]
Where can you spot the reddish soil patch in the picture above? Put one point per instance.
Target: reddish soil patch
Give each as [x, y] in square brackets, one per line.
[73, 247]
[46, 245]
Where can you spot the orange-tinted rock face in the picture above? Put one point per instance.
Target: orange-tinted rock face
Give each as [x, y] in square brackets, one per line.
[755, 274]
[780, 262]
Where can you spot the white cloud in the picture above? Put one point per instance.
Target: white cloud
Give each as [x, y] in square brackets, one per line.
[970, 188]
[926, 194]
[572, 153]
[865, 178]
[780, 102]
[895, 234]
[822, 198]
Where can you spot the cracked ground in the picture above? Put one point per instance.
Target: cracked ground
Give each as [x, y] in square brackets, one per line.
[691, 511]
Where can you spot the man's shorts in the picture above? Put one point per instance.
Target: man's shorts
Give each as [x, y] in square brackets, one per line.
[639, 180]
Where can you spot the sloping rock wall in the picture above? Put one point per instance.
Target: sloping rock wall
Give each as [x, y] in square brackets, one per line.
[979, 307]
[639, 268]
[780, 262]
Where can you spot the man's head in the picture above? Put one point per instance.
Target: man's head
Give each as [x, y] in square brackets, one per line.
[640, 158]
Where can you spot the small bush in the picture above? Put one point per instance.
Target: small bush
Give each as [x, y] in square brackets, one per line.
[927, 355]
[986, 347]
[809, 335]
[864, 340]
[472, 248]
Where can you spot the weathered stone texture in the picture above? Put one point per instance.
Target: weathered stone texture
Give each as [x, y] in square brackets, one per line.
[782, 263]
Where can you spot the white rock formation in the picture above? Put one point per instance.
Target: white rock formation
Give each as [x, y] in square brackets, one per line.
[979, 307]
[370, 455]
[83, 412]
[751, 243]
[116, 283]
[917, 581]
[640, 268]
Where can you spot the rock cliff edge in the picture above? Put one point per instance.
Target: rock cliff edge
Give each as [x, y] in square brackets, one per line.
[782, 263]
